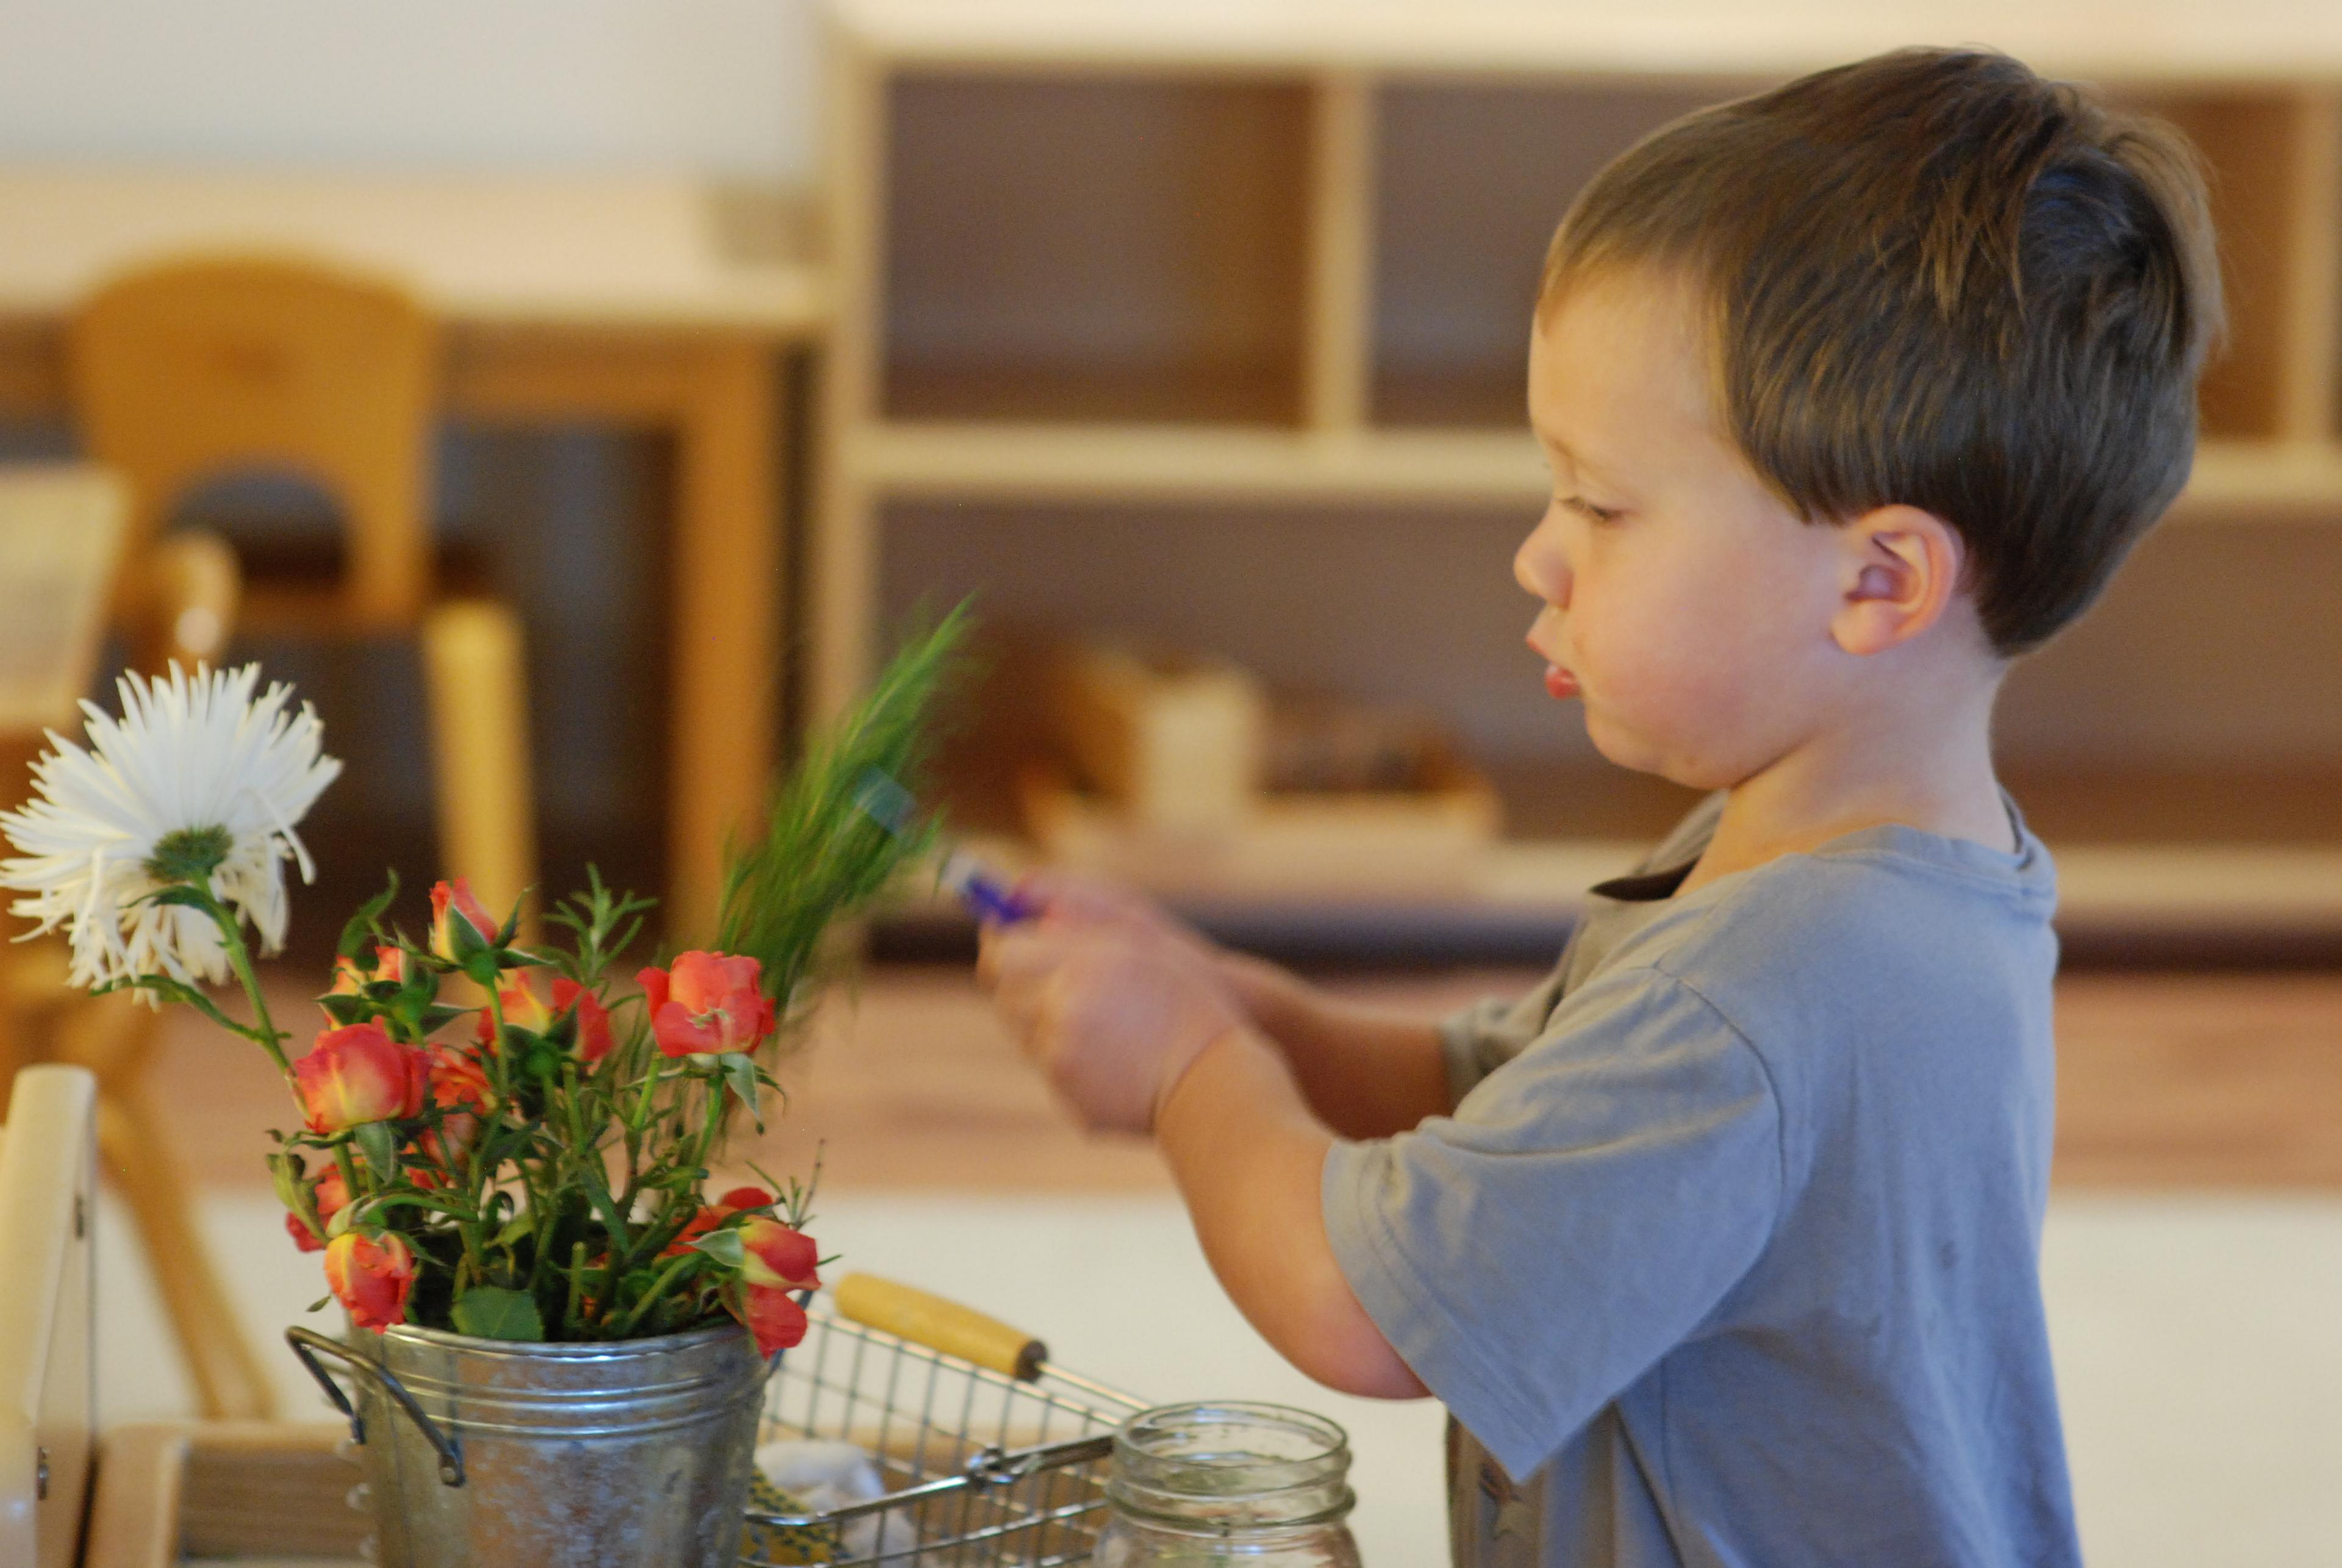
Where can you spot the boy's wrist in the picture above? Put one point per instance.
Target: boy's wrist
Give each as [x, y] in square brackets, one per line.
[1274, 998]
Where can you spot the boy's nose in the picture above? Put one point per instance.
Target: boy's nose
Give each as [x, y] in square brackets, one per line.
[1541, 569]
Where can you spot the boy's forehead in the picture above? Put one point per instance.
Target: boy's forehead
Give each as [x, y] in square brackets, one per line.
[1617, 359]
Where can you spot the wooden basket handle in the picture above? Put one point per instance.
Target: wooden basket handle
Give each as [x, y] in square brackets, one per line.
[939, 1325]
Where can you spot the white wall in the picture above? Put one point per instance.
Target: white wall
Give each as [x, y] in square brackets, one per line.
[718, 86]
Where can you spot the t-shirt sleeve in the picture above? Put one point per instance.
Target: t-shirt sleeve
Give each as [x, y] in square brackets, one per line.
[1477, 1040]
[1582, 1211]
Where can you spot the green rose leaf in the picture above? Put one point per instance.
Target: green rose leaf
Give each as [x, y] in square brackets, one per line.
[740, 1071]
[359, 932]
[347, 1008]
[722, 1245]
[492, 1312]
[378, 1145]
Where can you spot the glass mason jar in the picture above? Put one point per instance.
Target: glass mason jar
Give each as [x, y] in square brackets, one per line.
[1254, 1484]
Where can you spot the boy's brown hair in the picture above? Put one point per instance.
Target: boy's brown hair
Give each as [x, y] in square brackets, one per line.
[1941, 281]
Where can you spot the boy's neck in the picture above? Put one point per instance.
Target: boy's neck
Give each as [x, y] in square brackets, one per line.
[1886, 769]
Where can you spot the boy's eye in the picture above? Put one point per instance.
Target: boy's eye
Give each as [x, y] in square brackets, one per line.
[1590, 512]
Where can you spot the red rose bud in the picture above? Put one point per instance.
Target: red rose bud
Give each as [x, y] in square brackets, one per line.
[594, 1038]
[389, 964]
[357, 1074]
[706, 1004]
[775, 1256]
[331, 1195]
[371, 1276]
[523, 1009]
[774, 1316]
[707, 1219]
[451, 901]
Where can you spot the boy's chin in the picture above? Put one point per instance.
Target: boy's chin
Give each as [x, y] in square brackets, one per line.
[1640, 753]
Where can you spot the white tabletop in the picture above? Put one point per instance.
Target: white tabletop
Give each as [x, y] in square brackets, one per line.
[617, 251]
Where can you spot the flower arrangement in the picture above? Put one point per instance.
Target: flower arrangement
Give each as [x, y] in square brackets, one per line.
[505, 1140]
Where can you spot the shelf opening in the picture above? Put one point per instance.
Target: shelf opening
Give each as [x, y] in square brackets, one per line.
[1472, 180]
[1094, 249]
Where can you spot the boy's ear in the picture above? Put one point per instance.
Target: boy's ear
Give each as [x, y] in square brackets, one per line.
[1900, 571]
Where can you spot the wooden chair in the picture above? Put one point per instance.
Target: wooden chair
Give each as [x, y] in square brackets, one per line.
[194, 370]
[47, 1378]
[63, 537]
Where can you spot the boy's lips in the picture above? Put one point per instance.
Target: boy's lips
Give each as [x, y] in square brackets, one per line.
[1560, 682]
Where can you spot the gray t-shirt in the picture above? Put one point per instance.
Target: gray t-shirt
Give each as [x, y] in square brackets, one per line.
[1729, 1252]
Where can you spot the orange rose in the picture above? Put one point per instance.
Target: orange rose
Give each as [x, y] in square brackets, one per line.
[460, 1089]
[594, 1038]
[332, 1196]
[776, 1263]
[707, 1219]
[774, 1316]
[371, 1276]
[777, 1257]
[706, 1004]
[358, 1074]
[452, 901]
[389, 964]
[523, 1009]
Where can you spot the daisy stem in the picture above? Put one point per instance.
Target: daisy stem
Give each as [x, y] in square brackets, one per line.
[239, 957]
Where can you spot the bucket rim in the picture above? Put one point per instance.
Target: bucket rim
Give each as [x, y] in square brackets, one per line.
[559, 1350]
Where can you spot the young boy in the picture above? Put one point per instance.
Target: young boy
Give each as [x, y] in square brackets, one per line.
[1721, 1247]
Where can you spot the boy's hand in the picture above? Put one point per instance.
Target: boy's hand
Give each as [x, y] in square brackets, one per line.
[1112, 1007]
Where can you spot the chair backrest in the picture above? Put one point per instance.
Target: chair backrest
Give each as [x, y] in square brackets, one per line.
[48, 1175]
[61, 538]
[193, 370]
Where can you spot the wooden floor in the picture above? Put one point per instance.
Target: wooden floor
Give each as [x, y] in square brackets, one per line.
[2164, 1081]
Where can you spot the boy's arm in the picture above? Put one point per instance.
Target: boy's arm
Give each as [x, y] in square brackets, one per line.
[1249, 1160]
[1140, 1032]
[1368, 1071]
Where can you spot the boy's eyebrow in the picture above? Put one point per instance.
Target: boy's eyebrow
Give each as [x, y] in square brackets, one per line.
[1556, 443]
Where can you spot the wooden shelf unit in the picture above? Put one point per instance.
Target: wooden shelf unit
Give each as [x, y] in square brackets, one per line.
[1276, 256]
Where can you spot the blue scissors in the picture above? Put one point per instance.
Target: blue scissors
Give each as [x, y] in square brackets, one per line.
[890, 806]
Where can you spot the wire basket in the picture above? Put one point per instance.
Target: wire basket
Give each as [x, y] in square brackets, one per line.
[987, 1454]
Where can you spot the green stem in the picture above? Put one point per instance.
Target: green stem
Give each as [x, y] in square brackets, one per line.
[658, 1288]
[239, 958]
[573, 1313]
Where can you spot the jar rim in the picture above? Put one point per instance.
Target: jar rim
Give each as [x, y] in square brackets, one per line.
[1214, 1463]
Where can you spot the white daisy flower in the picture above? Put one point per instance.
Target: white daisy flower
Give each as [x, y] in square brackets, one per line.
[195, 775]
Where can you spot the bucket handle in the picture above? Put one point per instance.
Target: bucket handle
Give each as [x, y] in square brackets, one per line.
[307, 1341]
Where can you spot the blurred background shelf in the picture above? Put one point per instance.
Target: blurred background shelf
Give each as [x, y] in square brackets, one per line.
[1207, 326]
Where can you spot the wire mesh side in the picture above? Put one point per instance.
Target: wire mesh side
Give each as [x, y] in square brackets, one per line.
[922, 1417]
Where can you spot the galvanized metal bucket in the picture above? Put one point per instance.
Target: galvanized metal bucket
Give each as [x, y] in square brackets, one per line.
[633, 1454]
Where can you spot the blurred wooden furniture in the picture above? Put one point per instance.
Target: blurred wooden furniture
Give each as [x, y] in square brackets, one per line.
[190, 371]
[64, 554]
[48, 1376]
[648, 303]
[1109, 271]
[170, 1491]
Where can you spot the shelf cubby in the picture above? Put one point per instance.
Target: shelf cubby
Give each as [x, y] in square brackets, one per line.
[1092, 249]
[1470, 180]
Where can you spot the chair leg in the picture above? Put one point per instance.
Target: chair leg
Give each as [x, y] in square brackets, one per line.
[477, 685]
[113, 1036]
